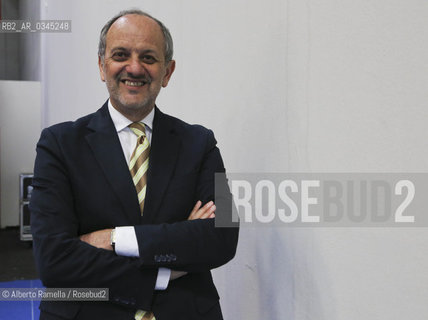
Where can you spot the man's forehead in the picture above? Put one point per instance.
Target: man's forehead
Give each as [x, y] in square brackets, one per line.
[135, 26]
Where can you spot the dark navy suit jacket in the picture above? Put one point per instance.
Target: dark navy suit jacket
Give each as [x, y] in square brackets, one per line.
[82, 184]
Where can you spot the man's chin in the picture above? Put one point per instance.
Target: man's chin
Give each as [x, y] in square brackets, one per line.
[146, 105]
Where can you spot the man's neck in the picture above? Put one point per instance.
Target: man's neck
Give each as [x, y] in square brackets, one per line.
[134, 115]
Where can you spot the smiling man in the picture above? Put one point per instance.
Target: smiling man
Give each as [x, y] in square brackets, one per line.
[124, 197]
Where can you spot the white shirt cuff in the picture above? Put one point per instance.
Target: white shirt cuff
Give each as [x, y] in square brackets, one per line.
[126, 242]
[163, 278]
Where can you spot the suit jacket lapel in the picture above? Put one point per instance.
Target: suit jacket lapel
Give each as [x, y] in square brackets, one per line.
[105, 144]
[163, 155]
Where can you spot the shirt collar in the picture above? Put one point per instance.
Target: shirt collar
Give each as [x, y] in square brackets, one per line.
[121, 122]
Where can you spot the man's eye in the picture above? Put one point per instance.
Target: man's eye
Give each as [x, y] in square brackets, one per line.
[148, 59]
[119, 56]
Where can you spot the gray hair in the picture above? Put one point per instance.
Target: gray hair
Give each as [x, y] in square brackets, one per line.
[166, 34]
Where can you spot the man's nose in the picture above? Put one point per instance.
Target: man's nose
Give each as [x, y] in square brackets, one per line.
[135, 67]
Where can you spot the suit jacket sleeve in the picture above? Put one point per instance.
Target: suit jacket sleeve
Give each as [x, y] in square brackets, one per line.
[197, 245]
[61, 258]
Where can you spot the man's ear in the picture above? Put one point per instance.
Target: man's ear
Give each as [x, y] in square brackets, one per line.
[168, 73]
[101, 66]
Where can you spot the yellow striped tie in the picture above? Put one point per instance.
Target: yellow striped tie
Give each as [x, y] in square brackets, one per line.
[139, 163]
[138, 166]
[144, 315]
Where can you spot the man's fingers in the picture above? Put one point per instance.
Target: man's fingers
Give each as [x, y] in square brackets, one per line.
[209, 212]
[207, 205]
[196, 207]
[195, 210]
[202, 213]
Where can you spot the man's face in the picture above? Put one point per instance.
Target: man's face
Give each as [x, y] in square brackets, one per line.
[134, 67]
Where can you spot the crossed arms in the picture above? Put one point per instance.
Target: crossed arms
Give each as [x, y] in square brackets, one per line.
[102, 238]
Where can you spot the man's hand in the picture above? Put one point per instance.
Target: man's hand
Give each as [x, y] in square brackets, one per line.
[99, 239]
[207, 211]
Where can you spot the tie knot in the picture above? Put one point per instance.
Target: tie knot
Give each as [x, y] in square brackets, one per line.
[138, 128]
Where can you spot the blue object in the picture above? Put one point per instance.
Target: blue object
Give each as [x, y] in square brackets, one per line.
[20, 310]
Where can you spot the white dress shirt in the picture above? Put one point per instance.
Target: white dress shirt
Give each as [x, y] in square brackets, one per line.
[126, 243]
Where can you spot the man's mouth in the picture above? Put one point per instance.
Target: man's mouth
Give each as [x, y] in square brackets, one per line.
[132, 83]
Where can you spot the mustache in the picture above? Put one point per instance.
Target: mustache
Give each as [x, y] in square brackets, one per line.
[129, 76]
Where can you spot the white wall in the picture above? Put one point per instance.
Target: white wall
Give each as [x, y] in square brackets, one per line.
[293, 85]
[358, 78]
[357, 102]
[19, 132]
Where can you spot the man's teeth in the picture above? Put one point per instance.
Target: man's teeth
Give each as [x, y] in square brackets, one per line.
[134, 83]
